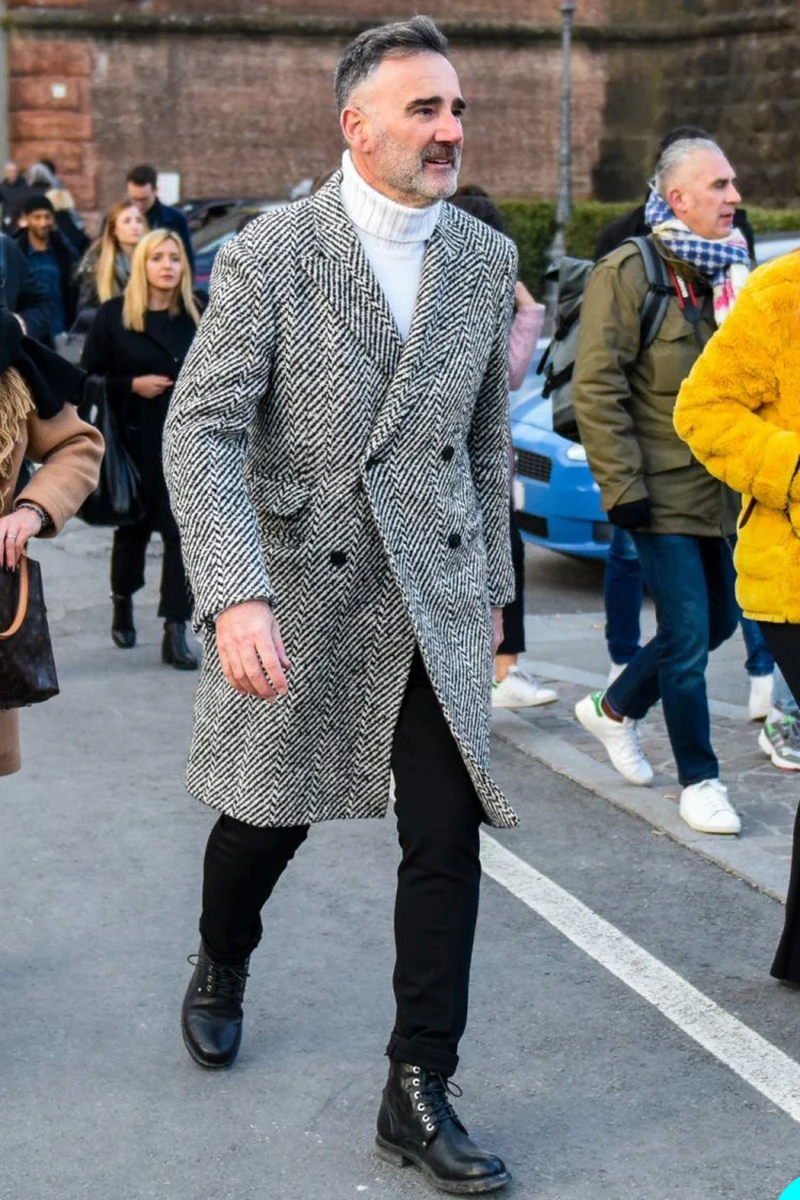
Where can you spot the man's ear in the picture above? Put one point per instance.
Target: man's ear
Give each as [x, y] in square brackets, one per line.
[355, 129]
[676, 200]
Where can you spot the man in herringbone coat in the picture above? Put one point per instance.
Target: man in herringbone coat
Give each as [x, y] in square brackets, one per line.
[336, 452]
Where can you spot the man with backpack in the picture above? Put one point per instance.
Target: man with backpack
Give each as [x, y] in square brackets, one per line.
[624, 390]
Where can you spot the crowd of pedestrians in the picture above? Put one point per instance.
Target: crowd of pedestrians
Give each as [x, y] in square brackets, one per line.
[379, 539]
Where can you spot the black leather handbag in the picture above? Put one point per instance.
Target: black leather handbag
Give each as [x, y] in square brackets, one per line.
[116, 499]
[27, 666]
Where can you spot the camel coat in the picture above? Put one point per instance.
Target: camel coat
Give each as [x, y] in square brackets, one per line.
[70, 452]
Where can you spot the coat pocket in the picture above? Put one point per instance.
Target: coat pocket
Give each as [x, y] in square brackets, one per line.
[281, 505]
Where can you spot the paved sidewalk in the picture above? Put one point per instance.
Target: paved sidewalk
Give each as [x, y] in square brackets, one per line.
[569, 652]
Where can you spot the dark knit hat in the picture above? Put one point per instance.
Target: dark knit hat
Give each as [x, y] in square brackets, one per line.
[52, 379]
[36, 203]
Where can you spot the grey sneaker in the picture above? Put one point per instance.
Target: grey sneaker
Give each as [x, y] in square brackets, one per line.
[780, 741]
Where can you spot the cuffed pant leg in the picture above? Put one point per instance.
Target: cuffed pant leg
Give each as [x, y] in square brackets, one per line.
[438, 882]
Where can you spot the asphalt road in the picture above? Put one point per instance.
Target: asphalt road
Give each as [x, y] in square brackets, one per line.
[587, 1089]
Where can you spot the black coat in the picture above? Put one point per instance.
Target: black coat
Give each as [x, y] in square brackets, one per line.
[120, 355]
[20, 291]
[633, 224]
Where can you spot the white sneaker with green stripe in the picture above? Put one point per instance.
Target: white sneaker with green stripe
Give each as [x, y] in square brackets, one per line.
[620, 739]
[780, 741]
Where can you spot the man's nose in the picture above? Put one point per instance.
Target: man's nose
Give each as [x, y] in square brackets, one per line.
[733, 196]
[449, 129]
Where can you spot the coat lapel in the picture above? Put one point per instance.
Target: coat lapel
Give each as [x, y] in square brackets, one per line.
[433, 329]
[341, 271]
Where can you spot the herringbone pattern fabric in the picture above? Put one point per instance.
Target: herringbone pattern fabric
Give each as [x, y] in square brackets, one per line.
[358, 483]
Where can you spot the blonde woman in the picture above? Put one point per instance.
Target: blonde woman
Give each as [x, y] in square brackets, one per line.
[106, 266]
[138, 342]
[38, 421]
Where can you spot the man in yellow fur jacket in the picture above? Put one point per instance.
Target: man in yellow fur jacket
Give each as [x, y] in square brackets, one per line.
[739, 411]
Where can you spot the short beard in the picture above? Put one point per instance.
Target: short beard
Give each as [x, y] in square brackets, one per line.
[409, 178]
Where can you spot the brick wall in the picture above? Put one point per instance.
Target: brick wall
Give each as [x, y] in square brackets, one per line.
[251, 112]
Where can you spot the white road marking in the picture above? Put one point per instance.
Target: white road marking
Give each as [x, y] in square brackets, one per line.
[750, 1056]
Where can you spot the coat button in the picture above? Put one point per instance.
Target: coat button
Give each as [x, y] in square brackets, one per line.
[447, 453]
[338, 558]
[454, 541]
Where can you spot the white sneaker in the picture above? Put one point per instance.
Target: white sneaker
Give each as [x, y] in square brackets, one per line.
[520, 690]
[615, 671]
[760, 701]
[620, 738]
[705, 807]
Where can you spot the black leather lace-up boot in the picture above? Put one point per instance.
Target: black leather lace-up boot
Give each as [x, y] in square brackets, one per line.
[211, 1017]
[123, 633]
[417, 1125]
[175, 651]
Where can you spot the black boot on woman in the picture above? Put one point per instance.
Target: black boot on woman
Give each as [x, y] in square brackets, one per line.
[174, 649]
[123, 633]
[417, 1125]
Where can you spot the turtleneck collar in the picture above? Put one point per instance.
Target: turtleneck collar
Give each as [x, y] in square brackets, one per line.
[373, 213]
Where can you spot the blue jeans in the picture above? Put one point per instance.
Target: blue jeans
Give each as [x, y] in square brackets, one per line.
[691, 581]
[759, 661]
[782, 697]
[623, 588]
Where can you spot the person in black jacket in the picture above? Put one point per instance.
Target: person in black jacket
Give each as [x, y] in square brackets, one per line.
[633, 224]
[21, 293]
[52, 259]
[138, 342]
[142, 188]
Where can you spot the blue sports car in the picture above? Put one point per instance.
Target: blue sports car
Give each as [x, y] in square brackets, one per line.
[555, 495]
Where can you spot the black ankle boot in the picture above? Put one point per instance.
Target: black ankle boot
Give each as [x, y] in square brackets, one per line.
[211, 1017]
[174, 650]
[418, 1125]
[123, 633]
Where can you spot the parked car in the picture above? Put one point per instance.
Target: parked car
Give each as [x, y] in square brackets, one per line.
[555, 495]
[208, 240]
[773, 245]
[200, 213]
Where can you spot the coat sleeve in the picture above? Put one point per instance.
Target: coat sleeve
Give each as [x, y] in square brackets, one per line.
[224, 377]
[488, 450]
[720, 406]
[70, 452]
[98, 358]
[608, 345]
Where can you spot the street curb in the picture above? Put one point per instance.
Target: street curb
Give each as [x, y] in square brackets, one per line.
[732, 854]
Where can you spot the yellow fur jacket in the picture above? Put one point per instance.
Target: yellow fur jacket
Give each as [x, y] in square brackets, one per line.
[739, 411]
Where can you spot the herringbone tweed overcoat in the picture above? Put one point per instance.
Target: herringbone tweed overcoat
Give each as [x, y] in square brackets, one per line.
[359, 484]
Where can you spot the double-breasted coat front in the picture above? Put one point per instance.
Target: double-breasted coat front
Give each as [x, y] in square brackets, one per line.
[357, 483]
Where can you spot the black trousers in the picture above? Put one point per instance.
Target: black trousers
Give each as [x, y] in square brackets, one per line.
[438, 882]
[127, 570]
[514, 613]
[784, 643]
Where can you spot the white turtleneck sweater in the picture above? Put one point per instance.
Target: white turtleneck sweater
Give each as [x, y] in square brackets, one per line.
[393, 237]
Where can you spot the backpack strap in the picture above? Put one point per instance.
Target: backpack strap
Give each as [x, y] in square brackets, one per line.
[660, 291]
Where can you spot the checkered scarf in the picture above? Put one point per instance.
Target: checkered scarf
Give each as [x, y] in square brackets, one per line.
[726, 262]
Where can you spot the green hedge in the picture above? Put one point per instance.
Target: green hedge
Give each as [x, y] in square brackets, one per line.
[532, 225]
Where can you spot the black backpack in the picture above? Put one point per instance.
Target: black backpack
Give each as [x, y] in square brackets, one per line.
[558, 361]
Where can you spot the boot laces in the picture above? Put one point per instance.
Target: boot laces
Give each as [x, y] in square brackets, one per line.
[432, 1098]
[220, 979]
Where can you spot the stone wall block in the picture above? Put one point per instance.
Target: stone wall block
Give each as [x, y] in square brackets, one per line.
[44, 126]
[43, 56]
[36, 92]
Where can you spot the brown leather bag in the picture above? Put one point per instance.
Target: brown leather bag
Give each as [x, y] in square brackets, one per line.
[27, 666]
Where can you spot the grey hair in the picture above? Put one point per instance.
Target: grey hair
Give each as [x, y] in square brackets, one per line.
[673, 157]
[365, 54]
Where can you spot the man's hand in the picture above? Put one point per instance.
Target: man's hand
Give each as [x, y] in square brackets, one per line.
[251, 650]
[497, 630]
